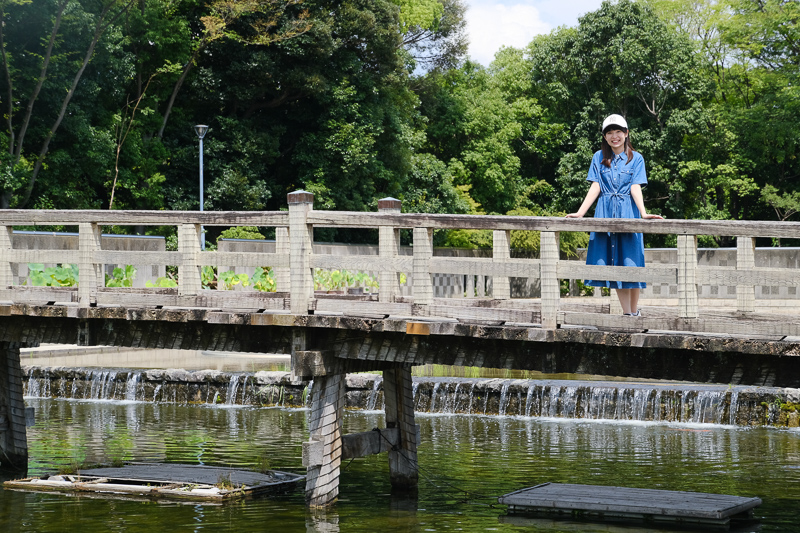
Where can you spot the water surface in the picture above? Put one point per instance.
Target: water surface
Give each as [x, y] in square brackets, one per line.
[466, 462]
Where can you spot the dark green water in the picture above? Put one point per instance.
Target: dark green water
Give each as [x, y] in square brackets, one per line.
[465, 461]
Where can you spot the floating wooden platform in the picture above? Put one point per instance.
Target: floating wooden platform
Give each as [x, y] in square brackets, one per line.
[623, 504]
[170, 481]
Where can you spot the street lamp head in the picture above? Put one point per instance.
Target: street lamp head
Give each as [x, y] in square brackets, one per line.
[201, 130]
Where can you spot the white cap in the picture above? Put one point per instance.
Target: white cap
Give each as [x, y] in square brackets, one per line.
[615, 120]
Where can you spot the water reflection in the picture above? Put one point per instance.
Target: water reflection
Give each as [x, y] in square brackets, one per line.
[466, 462]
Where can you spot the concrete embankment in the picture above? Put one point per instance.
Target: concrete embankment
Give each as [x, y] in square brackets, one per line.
[608, 400]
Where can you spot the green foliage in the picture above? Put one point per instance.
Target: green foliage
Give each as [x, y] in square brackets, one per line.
[164, 282]
[336, 280]
[121, 277]
[264, 279]
[58, 276]
[241, 232]
[229, 280]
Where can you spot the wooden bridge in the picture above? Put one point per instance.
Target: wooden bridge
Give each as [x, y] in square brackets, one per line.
[750, 342]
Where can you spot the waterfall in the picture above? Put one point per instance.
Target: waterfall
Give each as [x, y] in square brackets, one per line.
[733, 407]
[131, 386]
[373, 397]
[559, 399]
[233, 388]
[432, 408]
[504, 398]
[101, 385]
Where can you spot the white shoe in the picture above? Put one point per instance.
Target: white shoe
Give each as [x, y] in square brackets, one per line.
[637, 313]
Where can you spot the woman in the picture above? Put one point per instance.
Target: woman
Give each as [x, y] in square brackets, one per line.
[617, 175]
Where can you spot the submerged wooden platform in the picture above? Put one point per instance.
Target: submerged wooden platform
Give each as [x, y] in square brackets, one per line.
[170, 481]
[623, 504]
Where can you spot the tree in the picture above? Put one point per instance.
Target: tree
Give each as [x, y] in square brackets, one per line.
[55, 68]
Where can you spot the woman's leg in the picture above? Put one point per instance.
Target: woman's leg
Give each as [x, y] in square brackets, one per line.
[629, 300]
[634, 301]
[624, 296]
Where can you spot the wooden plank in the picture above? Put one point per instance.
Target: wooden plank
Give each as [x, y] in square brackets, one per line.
[44, 256]
[650, 274]
[735, 228]
[243, 259]
[732, 228]
[28, 217]
[363, 263]
[389, 250]
[513, 268]
[368, 443]
[754, 276]
[632, 501]
[719, 325]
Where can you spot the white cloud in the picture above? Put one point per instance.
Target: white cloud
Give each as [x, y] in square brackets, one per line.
[492, 24]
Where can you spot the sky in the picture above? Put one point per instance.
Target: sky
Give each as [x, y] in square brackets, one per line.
[492, 24]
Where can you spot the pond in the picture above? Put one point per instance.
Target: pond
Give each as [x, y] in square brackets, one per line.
[466, 462]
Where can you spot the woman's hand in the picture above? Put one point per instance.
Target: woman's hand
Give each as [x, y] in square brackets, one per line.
[574, 215]
[651, 216]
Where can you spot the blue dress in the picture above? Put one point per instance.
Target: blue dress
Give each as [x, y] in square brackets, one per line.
[615, 201]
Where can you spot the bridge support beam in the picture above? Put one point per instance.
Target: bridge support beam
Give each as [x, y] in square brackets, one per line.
[322, 455]
[399, 400]
[13, 438]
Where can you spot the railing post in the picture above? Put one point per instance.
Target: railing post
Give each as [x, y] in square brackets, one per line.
[189, 281]
[423, 252]
[549, 276]
[501, 251]
[745, 260]
[89, 273]
[300, 243]
[282, 274]
[687, 276]
[388, 249]
[6, 274]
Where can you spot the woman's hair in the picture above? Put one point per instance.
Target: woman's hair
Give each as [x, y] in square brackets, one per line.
[608, 153]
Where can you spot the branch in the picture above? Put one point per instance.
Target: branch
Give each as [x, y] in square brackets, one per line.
[99, 29]
[45, 63]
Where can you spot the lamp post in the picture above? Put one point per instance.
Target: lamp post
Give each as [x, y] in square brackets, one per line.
[201, 130]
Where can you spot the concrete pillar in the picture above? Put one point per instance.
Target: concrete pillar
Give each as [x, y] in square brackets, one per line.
[90, 274]
[189, 279]
[551, 292]
[501, 251]
[13, 439]
[687, 276]
[388, 250]
[301, 236]
[423, 278]
[399, 400]
[745, 262]
[322, 454]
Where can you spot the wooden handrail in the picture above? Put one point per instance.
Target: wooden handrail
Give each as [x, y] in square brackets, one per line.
[294, 259]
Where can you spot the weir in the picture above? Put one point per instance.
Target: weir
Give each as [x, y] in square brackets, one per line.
[568, 399]
[751, 341]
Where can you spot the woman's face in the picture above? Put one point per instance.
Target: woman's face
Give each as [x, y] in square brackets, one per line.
[616, 139]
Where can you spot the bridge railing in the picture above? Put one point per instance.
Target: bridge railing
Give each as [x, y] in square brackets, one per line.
[294, 261]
